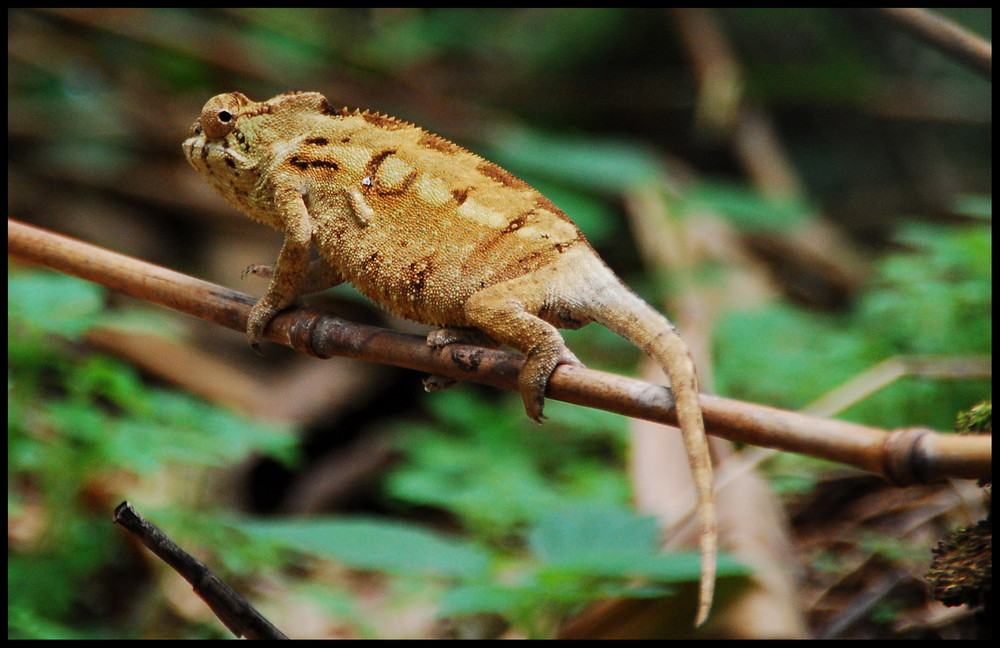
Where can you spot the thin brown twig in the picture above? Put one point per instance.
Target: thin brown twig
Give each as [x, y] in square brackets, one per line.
[242, 619]
[903, 456]
[891, 369]
[943, 35]
[821, 262]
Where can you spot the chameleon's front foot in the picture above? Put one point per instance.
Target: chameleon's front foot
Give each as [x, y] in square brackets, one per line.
[260, 316]
[261, 313]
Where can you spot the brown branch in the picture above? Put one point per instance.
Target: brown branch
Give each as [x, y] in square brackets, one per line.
[902, 456]
[944, 35]
[242, 619]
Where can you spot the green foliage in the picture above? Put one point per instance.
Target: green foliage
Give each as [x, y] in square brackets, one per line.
[772, 355]
[547, 512]
[975, 205]
[570, 556]
[577, 555]
[374, 545]
[934, 299]
[810, 55]
[78, 423]
[483, 464]
[977, 420]
[746, 208]
[571, 168]
[549, 506]
[44, 302]
[606, 164]
[407, 38]
[937, 299]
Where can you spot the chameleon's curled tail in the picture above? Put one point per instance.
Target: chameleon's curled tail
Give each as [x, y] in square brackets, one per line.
[641, 324]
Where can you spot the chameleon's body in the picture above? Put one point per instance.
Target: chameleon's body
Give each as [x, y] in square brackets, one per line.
[437, 235]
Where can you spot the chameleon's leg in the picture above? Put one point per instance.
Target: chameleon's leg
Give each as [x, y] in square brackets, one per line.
[505, 319]
[290, 269]
[319, 276]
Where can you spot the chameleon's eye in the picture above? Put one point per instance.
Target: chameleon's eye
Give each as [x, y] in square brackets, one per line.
[218, 123]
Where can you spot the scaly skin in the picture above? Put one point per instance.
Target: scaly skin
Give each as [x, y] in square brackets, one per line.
[437, 235]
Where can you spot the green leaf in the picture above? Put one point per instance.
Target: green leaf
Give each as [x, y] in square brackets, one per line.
[53, 303]
[485, 599]
[376, 545]
[933, 298]
[584, 553]
[589, 535]
[745, 207]
[977, 205]
[601, 164]
[493, 469]
[592, 215]
[611, 542]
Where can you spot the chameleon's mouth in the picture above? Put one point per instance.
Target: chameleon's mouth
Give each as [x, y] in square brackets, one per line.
[199, 148]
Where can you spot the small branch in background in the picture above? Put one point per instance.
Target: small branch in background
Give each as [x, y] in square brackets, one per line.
[720, 79]
[232, 609]
[888, 371]
[943, 35]
[816, 262]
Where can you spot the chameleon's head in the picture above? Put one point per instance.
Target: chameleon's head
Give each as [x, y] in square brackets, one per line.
[233, 142]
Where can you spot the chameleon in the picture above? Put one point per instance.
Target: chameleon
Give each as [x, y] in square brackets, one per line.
[438, 235]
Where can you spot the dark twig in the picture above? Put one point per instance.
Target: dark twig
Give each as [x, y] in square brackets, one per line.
[944, 35]
[902, 456]
[232, 609]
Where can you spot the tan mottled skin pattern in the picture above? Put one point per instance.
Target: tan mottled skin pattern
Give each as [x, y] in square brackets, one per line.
[435, 234]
